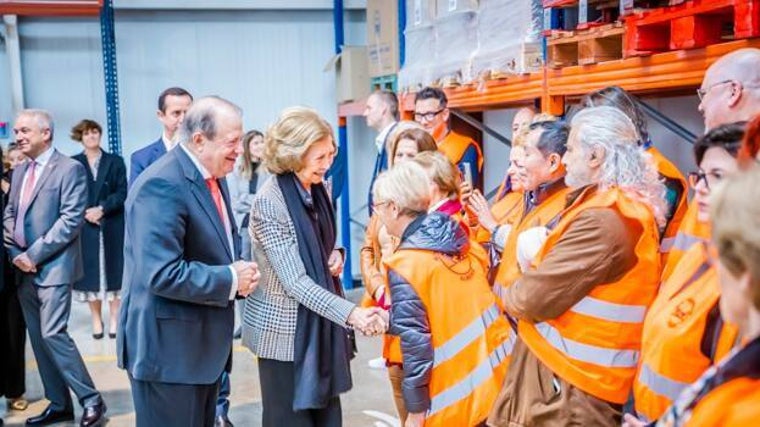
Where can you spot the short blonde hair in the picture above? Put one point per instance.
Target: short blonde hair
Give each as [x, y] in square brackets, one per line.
[406, 184]
[735, 214]
[290, 137]
[440, 171]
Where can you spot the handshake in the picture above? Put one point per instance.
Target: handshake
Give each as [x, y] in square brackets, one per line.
[247, 277]
[369, 321]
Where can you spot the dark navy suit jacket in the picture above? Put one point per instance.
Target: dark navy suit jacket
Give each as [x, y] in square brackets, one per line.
[145, 157]
[176, 319]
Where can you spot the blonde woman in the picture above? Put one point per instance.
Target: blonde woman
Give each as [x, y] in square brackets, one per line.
[297, 321]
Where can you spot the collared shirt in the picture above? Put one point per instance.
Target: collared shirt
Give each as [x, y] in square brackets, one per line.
[169, 143]
[41, 161]
[227, 224]
[382, 136]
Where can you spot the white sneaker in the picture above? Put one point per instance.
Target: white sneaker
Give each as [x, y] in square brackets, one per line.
[377, 363]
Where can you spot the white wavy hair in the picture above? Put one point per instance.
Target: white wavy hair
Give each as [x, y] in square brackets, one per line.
[626, 165]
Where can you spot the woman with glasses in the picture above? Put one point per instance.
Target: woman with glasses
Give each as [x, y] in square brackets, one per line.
[727, 393]
[683, 333]
[454, 338]
[408, 140]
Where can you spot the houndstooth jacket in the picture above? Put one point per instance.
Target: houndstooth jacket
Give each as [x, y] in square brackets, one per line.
[269, 319]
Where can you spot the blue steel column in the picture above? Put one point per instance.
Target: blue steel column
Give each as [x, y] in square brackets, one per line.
[342, 160]
[108, 40]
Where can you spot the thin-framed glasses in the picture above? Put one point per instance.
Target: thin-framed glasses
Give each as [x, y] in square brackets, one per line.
[702, 92]
[427, 116]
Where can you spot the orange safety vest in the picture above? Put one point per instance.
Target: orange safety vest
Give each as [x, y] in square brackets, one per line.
[503, 211]
[689, 232]
[471, 338]
[667, 169]
[595, 344]
[454, 145]
[733, 404]
[509, 270]
[671, 357]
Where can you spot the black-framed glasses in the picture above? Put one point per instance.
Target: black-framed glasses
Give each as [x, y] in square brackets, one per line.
[702, 92]
[427, 116]
[709, 178]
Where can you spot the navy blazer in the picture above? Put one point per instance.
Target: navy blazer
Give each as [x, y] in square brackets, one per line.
[176, 319]
[145, 157]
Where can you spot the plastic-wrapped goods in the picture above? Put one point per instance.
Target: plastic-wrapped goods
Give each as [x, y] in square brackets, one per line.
[420, 13]
[509, 33]
[420, 57]
[456, 39]
[447, 7]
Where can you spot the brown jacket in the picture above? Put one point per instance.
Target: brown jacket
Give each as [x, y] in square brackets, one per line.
[376, 241]
[598, 248]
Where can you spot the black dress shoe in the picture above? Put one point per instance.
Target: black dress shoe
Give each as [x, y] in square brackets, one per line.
[93, 415]
[222, 421]
[50, 416]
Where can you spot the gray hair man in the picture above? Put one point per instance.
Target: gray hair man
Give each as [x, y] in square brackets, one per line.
[581, 303]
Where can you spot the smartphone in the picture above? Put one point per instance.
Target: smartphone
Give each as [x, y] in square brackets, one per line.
[466, 169]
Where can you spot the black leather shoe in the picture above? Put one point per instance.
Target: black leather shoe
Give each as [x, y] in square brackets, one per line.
[50, 416]
[93, 415]
[222, 421]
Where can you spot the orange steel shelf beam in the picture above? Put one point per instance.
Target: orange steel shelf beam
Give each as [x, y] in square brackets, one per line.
[666, 73]
[51, 7]
[663, 72]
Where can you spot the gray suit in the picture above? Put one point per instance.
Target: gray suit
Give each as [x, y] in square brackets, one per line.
[51, 227]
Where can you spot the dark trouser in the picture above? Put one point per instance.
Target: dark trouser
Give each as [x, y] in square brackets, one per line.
[46, 311]
[173, 405]
[12, 343]
[277, 392]
[223, 400]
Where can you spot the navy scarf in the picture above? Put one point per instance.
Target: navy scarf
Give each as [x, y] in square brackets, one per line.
[323, 350]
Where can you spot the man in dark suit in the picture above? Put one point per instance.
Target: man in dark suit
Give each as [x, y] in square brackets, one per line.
[42, 223]
[381, 113]
[172, 106]
[181, 277]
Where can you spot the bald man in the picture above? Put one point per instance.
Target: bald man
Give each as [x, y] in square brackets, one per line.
[522, 119]
[730, 90]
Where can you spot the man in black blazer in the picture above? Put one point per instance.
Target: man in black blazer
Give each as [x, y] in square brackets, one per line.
[181, 277]
[172, 106]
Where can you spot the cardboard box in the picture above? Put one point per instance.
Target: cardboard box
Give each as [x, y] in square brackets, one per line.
[351, 78]
[447, 7]
[382, 37]
[420, 13]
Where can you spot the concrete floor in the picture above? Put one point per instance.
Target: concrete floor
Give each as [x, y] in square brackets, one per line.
[369, 403]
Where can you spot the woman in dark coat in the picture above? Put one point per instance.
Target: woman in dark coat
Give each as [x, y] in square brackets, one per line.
[12, 326]
[103, 232]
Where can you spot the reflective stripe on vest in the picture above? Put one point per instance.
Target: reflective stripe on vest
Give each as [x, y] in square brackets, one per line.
[473, 380]
[681, 242]
[659, 384]
[466, 336]
[607, 357]
[500, 291]
[610, 311]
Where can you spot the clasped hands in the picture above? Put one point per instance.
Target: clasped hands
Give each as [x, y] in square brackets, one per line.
[369, 321]
[24, 263]
[248, 276]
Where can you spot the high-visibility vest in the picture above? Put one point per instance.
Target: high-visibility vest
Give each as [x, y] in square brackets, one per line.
[595, 344]
[454, 146]
[689, 233]
[667, 169]
[671, 356]
[503, 211]
[471, 338]
[541, 215]
[733, 404]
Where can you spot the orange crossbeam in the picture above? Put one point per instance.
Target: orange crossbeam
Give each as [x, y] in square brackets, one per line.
[51, 7]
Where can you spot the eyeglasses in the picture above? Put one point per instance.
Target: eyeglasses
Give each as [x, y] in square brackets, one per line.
[702, 92]
[709, 178]
[427, 116]
[378, 204]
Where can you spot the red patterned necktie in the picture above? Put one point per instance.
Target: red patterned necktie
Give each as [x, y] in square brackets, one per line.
[216, 194]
